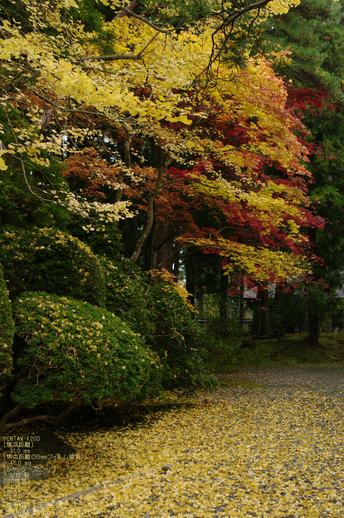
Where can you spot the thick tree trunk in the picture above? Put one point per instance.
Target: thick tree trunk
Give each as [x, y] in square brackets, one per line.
[313, 329]
[224, 305]
[265, 312]
[162, 247]
[257, 322]
[176, 263]
[263, 320]
[313, 325]
[190, 272]
[241, 308]
[199, 301]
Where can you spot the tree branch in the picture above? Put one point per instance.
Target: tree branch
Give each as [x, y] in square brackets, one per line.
[20, 80]
[229, 22]
[133, 4]
[49, 419]
[150, 210]
[113, 57]
[143, 19]
[7, 416]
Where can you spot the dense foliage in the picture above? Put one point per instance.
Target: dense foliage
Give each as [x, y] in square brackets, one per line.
[178, 340]
[161, 132]
[71, 350]
[127, 294]
[163, 319]
[313, 34]
[6, 329]
[52, 261]
[163, 147]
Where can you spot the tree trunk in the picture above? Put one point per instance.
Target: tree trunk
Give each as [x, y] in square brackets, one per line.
[263, 320]
[224, 306]
[190, 272]
[257, 322]
[313, 329]
[176, 263]
[161, 162]
[313, 325]
[199, 301]
[162, 247]
[265, 312]
[241, 308]
[146, 231]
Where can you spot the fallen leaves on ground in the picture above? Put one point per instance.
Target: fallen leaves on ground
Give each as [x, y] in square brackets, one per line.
[271, 451]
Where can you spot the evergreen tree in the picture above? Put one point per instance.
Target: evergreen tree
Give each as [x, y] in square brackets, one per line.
[314, 33]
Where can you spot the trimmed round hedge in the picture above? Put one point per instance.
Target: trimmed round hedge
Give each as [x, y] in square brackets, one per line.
[48, 260]
[73, 351]
[6, 329]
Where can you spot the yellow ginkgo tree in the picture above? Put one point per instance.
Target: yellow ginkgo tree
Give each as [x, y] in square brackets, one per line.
[162, 100]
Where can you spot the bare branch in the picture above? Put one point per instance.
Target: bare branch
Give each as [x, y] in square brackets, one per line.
[113, 57]
[143, 19]
[146, 46]
[101, 71]
[133, 4]
[250, 7]
[20, 80]
[61, 108]
[134, 57]
[228, 22]
[22, 162]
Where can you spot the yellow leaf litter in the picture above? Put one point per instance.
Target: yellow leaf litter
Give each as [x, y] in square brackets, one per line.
[273, 448]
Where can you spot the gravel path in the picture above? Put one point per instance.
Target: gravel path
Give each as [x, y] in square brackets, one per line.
[283, 457]
[272, 446]
[320, 378]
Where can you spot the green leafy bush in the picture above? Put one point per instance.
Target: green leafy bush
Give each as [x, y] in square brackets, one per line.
[73, 351]
[6, 329]
[103, 239]
[51, 261]
[178, 339]
[20, 206]
[163, 320]
[288, 311]
[128, 295]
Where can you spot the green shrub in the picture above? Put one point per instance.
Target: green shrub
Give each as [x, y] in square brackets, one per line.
[71, 350]
[128, 295]
[178, 339]
[163, 320]
[104, 239]
[54, 262]
[6, 330]
[288, 311]
[27, 201]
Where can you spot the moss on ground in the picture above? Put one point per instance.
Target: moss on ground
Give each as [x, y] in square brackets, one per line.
[288, 351]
